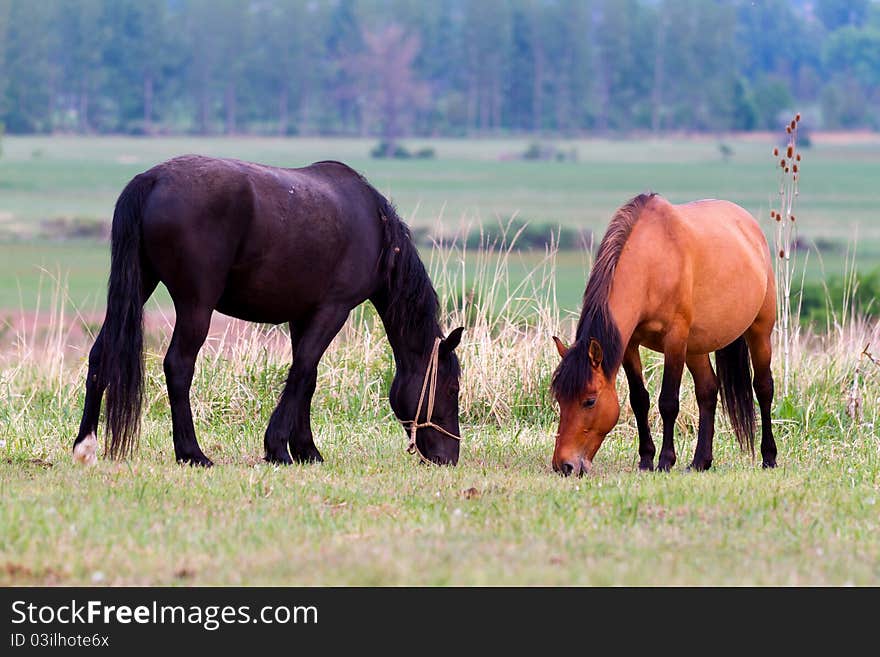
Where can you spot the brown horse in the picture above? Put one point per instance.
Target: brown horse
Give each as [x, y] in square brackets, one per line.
[684, 280]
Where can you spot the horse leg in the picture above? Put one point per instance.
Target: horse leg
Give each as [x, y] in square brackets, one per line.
[640, 401]
[760, 348]
[86, 444]
[291, 420]
[277, 437]
[706, 388]
[674, 352]
[85, 447]
[190, 331]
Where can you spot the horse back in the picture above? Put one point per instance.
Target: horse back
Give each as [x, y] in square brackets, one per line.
[704, 264]
[269, 243]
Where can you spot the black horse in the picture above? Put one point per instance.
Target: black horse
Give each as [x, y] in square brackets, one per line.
[270, 245]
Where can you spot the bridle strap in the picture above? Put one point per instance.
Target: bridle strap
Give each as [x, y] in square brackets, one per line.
[415, 425]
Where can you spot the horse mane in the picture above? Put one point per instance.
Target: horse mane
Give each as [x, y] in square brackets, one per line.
[574, 371]
[413, 305]
[413, 308]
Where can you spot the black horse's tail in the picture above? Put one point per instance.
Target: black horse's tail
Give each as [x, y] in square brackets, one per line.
[732, 363]
[121, 368]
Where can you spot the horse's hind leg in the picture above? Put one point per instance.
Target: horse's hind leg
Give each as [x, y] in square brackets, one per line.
[190, 330]
[706, 388]
[290, 423]
[640, 402]
[85, 447]
[760, 348]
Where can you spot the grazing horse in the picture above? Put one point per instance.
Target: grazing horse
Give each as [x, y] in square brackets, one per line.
[683, 280]
[270, 245]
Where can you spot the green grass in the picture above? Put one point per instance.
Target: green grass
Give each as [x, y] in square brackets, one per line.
[371, 515]
[30, 270]
[470, 182]
[48, 177]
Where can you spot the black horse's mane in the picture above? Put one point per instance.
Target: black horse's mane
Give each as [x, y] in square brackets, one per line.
[413, 308]
[412, 300]
[574, 372]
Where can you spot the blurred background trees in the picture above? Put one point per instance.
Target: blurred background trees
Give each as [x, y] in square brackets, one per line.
[448, 67]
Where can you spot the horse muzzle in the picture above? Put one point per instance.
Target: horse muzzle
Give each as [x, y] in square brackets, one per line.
[577, 466]
[435, 447]
[444, 459]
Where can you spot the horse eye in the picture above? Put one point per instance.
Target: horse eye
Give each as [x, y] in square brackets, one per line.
[589, 403]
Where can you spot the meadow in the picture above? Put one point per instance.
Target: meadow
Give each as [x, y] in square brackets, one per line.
[50, 186]
[371, 515]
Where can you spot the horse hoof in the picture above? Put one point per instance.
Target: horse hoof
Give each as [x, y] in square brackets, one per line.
[197, 461]
[665, 466]
[307, 455]
[279, 459]
[86, 450]
[646, 467]
[699, 466]
[770, 463]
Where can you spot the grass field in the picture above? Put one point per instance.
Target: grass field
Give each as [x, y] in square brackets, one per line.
[48, 177]
[471, 182]
[371, 515]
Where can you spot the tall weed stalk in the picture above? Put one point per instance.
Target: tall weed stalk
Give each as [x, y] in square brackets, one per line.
[789, 162]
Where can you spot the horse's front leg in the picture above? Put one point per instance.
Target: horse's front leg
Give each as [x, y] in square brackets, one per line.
[290, 424]
[640, 402]
[278, 431]
[674, 351]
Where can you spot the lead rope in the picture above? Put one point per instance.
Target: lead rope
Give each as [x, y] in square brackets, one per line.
[415, 425]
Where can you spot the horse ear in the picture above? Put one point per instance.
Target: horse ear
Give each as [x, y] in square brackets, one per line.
[595, 353]
[561, 348]
[451, 341]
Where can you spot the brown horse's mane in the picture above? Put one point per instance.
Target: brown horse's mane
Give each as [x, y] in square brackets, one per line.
[596, 323]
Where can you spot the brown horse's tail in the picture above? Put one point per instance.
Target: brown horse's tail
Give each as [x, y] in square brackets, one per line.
[121, 368]
[735, 375]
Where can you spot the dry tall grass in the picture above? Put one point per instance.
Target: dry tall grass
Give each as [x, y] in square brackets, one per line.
[507, 360]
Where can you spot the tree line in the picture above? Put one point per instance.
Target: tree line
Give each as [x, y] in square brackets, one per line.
[445, 67]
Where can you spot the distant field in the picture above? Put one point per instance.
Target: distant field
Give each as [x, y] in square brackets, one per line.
[30, 271]
[470, 181]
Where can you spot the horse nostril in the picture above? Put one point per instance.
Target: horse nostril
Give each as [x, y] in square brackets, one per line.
[567, 468]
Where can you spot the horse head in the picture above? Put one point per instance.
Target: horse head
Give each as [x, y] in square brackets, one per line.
[425, 400]
[588, 406]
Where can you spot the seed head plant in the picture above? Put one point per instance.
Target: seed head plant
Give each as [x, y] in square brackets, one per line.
[786, 239]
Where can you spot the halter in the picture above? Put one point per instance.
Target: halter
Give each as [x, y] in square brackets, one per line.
[415, 425]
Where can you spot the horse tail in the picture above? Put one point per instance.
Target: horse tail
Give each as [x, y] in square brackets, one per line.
[122, 367]
[734, 373]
